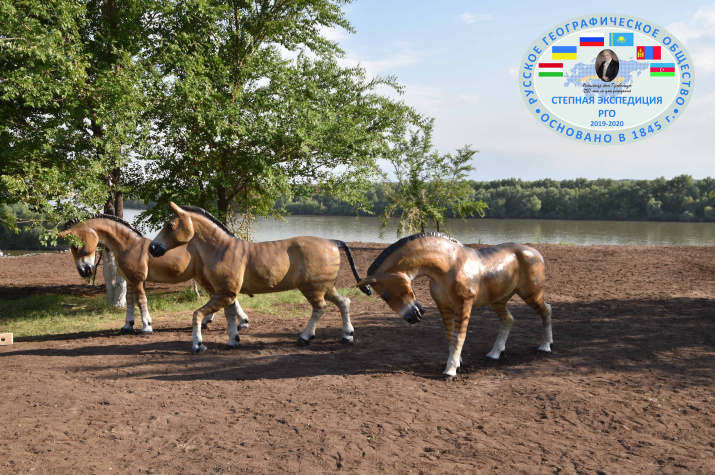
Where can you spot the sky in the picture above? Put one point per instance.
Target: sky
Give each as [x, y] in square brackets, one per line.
[458, 61]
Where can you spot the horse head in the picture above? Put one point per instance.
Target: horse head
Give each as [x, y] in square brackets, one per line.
[83, 255]
[177, 231]
[396, 290]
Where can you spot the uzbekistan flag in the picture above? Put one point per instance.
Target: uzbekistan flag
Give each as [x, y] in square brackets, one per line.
[591, 41]
[648, 52]
[662, 69]
[621, 39]
[555, 70]
[563, 52]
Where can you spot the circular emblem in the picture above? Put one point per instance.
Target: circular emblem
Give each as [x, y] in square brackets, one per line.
[606, 79]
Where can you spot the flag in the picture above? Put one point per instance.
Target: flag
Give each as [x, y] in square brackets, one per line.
[648, 52]
[662, 69]
[555, 70]
[621, 39]
[563, 52]
[591, 41]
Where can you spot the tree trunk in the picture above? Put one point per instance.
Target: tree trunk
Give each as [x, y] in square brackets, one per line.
[116, 286]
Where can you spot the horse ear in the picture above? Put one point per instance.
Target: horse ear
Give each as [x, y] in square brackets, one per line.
[367, 281]
[177, 209]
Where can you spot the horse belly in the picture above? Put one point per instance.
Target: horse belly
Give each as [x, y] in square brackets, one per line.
[498, 282]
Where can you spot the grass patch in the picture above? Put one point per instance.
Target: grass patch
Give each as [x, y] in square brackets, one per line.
[54, 314]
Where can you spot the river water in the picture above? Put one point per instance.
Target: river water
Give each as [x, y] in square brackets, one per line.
[491, 231]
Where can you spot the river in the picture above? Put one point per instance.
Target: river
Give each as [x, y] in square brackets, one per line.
[491, 231]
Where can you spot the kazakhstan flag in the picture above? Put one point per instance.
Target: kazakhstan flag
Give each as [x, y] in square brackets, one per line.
[621, 39]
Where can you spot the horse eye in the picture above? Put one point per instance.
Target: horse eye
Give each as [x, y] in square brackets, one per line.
[385, 296]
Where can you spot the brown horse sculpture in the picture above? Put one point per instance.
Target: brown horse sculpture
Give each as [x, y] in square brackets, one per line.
[131, 250]
[234, 266]
[461, 278]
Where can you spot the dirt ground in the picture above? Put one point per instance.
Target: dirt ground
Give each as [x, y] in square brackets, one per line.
[629, 387]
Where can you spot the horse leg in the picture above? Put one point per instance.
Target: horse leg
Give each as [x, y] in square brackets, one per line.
[231, 312]
[210, 317]
[140, 296]
[536, 301]
[318, 302]
[459, 333]
[129, 320]
[343, 304]
[242, 317]
[216, 302]
[506, 320]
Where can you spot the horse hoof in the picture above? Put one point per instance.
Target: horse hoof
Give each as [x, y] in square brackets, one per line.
[448, 377]
[302, 341]
[199, 348]
[347, 341]
[491, 359]
[147, 332]
[243, 326]
[204, 326]
[126, 331]
[232, 347]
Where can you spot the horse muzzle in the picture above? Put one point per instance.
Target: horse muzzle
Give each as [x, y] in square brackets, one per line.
[157, 249]
[414, 313]
[84, 269]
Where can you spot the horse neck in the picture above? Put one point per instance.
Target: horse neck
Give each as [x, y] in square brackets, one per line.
[432, 257]
[207, 235]
[112, 235]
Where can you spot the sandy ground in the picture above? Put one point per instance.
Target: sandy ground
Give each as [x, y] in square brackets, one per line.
[629, 387]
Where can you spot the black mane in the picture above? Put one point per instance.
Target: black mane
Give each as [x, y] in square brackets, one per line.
[395, 246]
[117, 219]
[209, 216]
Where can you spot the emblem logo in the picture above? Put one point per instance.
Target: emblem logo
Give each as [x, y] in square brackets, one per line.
[606, 79]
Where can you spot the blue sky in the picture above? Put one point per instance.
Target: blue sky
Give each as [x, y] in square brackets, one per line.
[458, 61]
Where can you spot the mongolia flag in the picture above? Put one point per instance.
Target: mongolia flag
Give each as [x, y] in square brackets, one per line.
[621, 39]
[662, 69]
[555, 70]
[591, 41]
[563, 52]
[648, 52]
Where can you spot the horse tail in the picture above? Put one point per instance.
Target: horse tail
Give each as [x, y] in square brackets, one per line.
[341, 245]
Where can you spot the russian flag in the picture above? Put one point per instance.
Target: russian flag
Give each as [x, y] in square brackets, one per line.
[648, 52]
[554, 70]
[563, 52]
[592, 41]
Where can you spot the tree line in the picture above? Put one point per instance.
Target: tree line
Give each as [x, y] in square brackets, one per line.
[681, 198]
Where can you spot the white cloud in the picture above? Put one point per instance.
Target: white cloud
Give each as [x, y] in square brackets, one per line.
[400, 55]
[513, 71]
[702, 25]
[470, 18]
[334, 34]
[468, 98]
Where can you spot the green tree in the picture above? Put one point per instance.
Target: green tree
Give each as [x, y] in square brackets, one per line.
[428, 185]
[257, 107]
[71, 103]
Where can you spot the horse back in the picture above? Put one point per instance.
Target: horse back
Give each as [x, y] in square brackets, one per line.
[507, 269]
[303, 262]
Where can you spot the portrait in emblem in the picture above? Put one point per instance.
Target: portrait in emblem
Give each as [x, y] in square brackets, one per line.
[607, 65]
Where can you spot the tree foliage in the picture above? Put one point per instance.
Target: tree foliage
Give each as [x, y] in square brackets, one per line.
[71, 103]
[255, 105]
[428, 185]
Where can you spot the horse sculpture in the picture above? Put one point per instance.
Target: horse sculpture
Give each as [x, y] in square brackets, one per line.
[136, 266]
[461, 278]
[234, 266]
